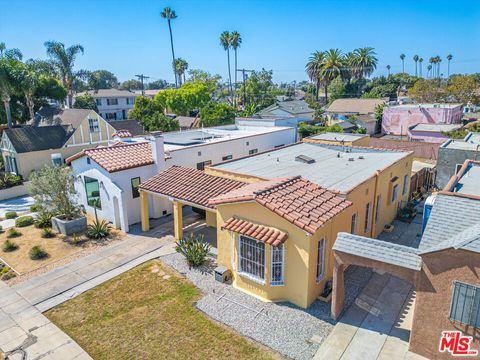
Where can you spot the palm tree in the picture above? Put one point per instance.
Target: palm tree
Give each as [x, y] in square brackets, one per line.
[63, 61]
[449, 58]
[364, 62]
[10, 53]
[180, 67]
[235, 41]
[429, 69]
[351, 68]
[420, 61]
[438, 61]
[225, 41]
[415, 58]
[402, 57]
[2, 48]
[8, 84]
[333, 67]
[388, 68]
[314, 69]
[170, 15]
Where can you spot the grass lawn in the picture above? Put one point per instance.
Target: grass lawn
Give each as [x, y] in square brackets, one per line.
[149, 313]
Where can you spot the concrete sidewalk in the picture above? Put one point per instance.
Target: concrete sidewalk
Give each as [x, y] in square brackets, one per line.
[27, 334]
[61, 284]
[376, 326]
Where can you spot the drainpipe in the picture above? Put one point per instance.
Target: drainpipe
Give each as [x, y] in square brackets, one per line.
[374, 204]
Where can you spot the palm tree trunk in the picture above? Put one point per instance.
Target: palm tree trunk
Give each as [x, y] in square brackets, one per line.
[448, 71]
[30, 104]
[6, 103]
[70, 98]
[173, 53]
[326, 94]
[317, 86]
[235, 76]
[229, 75]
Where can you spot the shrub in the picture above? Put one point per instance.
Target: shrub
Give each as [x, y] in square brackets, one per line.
[9, 246]
[37, 253]
[194, 248]
[8, 180]
[47, 233]
[12, 232]
[98, 230]
[24, 221]
[44, 219]
[11, 215]
[36, 208]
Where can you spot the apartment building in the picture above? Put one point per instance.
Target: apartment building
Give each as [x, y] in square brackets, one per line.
[113, 104]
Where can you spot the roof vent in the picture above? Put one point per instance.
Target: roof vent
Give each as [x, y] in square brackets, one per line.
[305, 159]
[361, 157]
[351, 159]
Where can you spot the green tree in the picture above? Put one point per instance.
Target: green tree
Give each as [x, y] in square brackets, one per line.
[9, 85]
[449, 58]
[144, 107]
[157, 84]
[402, 57]
[462, 89]
[420, 61]
[388, 68]
[427, 91]
[260, 89]
[212, 82]
[85, 101]
[181, 66]
[415, 59]
[333, 67]
[314, 70]
[185, 99]
[101, 79]
[160, 122]
[170, 15]
[364, 62]
[225, 42]
[215, 114]
[131, 84]
[63, 60]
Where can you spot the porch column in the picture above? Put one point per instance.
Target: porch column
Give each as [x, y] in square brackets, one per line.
[144, 211]
[338, 294]
[178, 220]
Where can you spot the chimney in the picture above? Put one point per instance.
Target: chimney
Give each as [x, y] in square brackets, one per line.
[158, 151]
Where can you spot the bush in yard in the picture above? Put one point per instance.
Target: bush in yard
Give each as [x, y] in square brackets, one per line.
[11, 215]
[37, 252]
[194, 248]
[12, 232]
[36, 208]
[47, 233]
[9, 246]
[54, 188]
[98, 230]
[44, 219]
[23, 221]
[8, 180]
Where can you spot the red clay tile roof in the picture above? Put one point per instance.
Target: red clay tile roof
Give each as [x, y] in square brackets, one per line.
[266, 234]
[122, 133]
[189, 185]
[297, 200]
[119, 156]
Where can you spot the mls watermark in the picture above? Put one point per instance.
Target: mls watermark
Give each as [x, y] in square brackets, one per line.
[456, 344]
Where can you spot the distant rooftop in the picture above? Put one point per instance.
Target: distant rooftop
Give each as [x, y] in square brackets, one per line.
[294, 107]
[435, 127]
[425, 106]
[181, 139]
[354, 106]
[339, 168]
[264, 117]
[470, 142]
[330, 136]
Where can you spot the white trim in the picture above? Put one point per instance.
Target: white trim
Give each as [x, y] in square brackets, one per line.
[320, 276]
[247, 275]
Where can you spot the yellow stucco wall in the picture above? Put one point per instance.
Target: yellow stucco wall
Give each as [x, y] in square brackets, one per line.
[211, 218]
[363, 141]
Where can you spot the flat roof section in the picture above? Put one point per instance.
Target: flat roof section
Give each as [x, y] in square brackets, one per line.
[336, 167]
[469, 183]
[330, 136]
[470, 142]
[435, 127]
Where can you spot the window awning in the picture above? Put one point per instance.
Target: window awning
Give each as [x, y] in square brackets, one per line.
[268, 235]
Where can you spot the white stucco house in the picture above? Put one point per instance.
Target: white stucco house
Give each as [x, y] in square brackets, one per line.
[108, 177]
[113, 104]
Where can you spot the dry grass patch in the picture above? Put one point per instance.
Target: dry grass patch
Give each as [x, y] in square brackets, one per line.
[149, 313]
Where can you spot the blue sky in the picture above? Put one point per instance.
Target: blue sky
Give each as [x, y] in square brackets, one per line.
[129, 37]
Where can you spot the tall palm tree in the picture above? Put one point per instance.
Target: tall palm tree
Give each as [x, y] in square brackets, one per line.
[420, 61]
[388, 68]
[449, 58]
[170, 15]
[438, 61]
[181, 66]
[415, 58]
[63, 60]
[2, 48]
[402, 57]
[333, 67]
[225, 41]
[314, 69]
[235, 42]
[365, 62]
[351, 68]
[8, 84]
[429, 69]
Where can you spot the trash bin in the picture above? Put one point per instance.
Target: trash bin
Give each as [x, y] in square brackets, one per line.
[222, 274]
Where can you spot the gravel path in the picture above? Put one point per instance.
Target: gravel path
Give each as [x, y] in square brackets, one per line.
[294, 332]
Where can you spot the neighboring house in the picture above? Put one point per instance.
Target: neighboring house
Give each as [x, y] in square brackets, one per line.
[132, 126]
[296, 108]
[397, 119]
[194, 149]
[187, 122]
[421, 149]
[270, 120]
[339, 139]
[275, 232]
[362, 110]
[431, 132]
[51, 140]
[453, 153]
[444, 268]
[113, 104]
[347, 126]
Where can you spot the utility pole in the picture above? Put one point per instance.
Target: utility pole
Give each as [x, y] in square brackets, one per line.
[142, 77]
[244, 76]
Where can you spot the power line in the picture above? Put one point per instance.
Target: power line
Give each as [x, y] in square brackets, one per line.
[142, 77]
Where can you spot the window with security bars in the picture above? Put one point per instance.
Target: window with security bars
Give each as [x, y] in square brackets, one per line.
[465, 307]
[252, 258]
[320, 260]
[278, 258]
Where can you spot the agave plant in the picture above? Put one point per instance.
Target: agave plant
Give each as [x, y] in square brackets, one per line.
[194, 248]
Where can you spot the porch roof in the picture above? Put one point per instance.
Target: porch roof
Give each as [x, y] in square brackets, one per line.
[190, 185]
[258, 232]
[379, 250]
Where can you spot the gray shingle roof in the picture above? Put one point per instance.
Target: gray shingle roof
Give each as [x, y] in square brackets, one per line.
[293, 107]
[378, 250]
[453, 223]
[133, 126]
[29, 138]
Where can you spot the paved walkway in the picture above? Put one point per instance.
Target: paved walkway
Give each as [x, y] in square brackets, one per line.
[27, 334]
[63, 283]
[376, 326]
